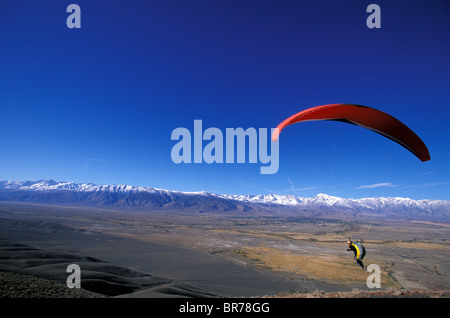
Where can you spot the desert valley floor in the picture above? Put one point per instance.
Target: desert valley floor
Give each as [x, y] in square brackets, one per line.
[131, 253]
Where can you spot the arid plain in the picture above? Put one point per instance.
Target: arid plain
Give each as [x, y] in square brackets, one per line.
[130, 253]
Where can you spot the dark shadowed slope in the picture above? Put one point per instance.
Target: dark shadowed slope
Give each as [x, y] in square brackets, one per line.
[120, 266]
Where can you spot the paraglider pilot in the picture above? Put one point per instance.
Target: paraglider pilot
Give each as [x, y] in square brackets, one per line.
[359, 251]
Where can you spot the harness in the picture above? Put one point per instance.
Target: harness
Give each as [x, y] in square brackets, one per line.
[360, 250]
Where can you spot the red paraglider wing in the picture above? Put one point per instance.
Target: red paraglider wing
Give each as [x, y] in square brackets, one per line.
[362, 116]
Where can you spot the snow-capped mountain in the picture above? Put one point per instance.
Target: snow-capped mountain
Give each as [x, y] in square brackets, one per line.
[126, 196]
[322, 201]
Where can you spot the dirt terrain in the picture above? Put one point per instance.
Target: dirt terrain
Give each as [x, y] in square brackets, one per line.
[205, 255]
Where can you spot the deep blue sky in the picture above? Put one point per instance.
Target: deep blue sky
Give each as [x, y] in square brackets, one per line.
[99, 104]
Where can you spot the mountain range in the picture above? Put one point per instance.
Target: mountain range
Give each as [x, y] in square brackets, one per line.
[145, 198]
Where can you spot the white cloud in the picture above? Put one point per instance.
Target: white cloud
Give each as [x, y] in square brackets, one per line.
[294, 189]
[432, 184]
[376, 185]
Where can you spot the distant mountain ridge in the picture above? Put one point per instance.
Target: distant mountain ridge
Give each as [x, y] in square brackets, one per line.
[127, 196]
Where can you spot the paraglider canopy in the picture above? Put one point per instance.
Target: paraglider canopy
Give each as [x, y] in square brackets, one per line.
[365, 117]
